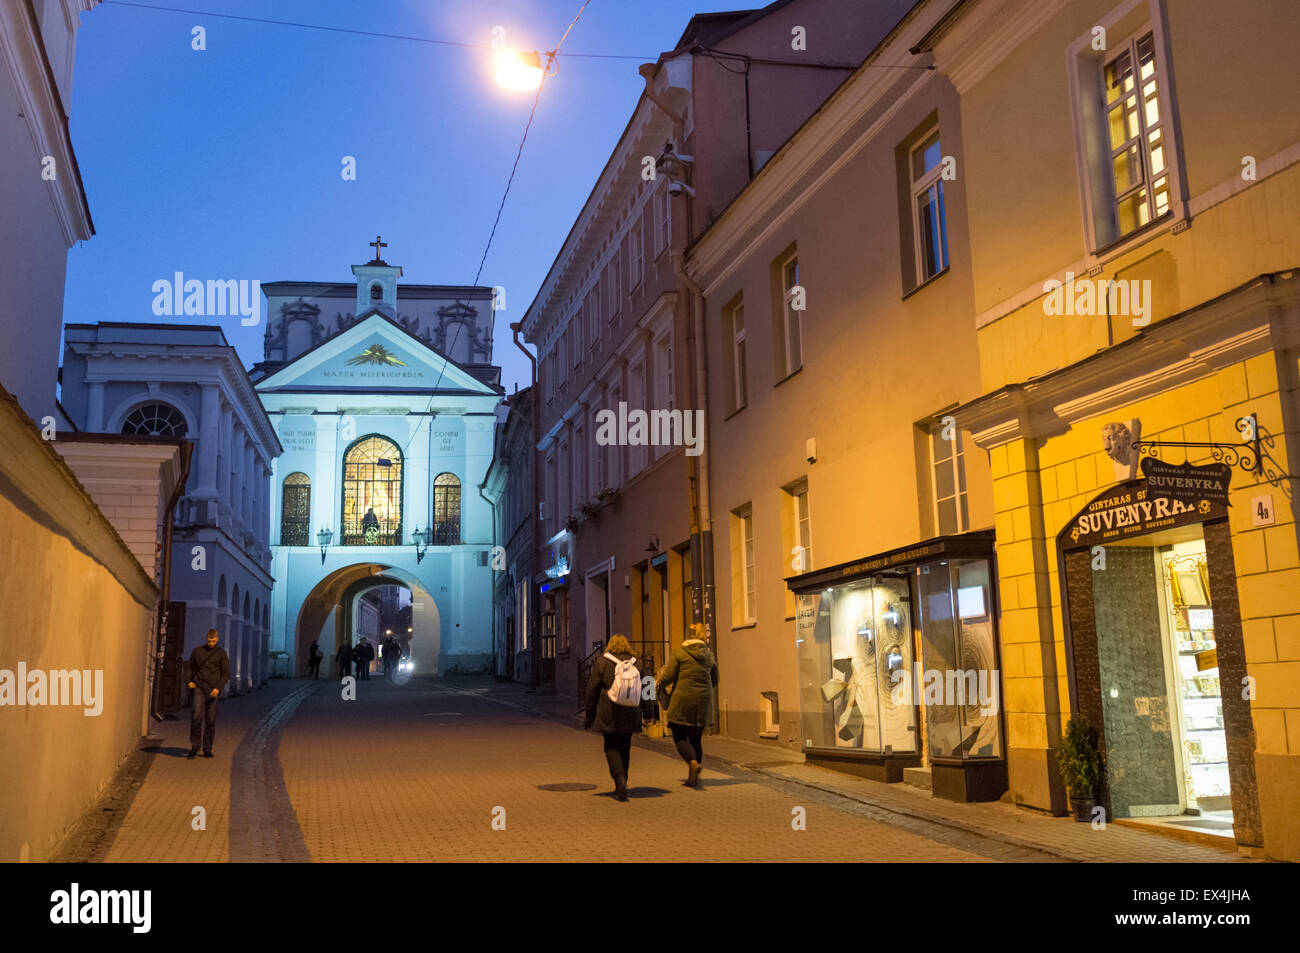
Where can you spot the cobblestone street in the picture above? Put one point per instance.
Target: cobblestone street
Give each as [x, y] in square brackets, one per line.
[419, 772]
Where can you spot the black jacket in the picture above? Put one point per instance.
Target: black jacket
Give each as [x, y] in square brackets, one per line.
[209, 668]
[602, 714]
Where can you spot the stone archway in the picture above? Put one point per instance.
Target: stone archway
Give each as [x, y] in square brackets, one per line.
[327, 612]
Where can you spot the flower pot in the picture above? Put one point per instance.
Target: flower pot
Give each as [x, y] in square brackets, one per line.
[1083, 807]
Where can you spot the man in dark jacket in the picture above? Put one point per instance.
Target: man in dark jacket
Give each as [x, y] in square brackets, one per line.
[209, 671]
[616, 722]
[344, 658]
[689, 679]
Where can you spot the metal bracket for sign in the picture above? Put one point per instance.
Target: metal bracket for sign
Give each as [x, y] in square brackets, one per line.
[1248, 455]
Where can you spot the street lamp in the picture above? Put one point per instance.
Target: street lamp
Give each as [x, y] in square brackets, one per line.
[519, 70]
[324, 537]
[421, 538]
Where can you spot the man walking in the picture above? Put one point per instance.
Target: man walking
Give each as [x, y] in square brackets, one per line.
[209, 672]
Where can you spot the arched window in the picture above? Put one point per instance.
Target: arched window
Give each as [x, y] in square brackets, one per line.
[446, 510]
[295, 511]
[372, 493]
[155, 420]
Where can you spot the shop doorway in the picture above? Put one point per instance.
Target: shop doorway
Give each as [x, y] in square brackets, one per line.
[1161, 698]
[1157, 661]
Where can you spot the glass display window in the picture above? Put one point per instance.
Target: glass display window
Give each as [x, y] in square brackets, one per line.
[855, 647]
[960, 682]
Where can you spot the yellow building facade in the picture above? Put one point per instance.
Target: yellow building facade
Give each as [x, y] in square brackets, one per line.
[1132, 205]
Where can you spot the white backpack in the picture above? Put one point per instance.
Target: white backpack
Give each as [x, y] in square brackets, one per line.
[626, 690]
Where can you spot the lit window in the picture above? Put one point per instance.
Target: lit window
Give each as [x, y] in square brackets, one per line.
[446, 510]
[295, 510]
[747, 546]
[1139, 170]
[948, 460]
[372, 493]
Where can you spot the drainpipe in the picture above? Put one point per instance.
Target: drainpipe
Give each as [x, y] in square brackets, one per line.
[535, 419]
[491, 570]
[187, 450]
[698, 467]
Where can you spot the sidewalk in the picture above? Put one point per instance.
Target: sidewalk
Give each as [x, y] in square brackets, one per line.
[1060, 836]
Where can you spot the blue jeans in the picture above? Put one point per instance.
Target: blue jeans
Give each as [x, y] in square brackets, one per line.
[203, 718]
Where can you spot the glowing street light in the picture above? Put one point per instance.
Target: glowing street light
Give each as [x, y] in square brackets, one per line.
[519, 70]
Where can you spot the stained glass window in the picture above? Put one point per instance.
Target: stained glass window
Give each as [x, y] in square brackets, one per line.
[295, 511]
[372, 493]
[446, 510]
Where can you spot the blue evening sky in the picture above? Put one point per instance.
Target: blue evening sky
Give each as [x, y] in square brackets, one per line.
[226, 163]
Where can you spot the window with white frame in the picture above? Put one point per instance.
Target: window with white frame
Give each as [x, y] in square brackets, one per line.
[564, 484]
[734, 319]
[614, 461]
[579, 462]
[1139, 167]
[615, 284]
[663, 380]
[802, 527]
[791, 325]
[636, 382]
[597, 460]
[549, 503]
[1126, 124]
[744, 604]
[929, 217]
[636, 252]
[663, 220]
[948, 467]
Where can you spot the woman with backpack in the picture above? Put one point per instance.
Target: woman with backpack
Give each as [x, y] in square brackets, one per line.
[688, 680]
[614, 707]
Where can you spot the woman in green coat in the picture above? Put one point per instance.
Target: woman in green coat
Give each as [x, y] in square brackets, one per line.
[688, 680]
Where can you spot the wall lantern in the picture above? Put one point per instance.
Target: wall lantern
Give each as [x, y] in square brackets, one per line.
[324, 537]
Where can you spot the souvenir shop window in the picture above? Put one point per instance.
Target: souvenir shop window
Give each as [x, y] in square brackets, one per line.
[855, 650]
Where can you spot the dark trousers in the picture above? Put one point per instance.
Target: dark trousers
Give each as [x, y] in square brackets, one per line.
[618, 754]
[313, 668]
[345, 669]
[203, 719]
[687, 739]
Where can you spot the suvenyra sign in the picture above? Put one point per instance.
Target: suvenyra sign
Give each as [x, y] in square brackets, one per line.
[1186, 482]
[1133, 509]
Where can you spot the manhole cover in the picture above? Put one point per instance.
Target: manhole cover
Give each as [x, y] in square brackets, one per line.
[567, 786]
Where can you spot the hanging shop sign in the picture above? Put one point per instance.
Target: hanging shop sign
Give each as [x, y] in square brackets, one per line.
[1187, 482]
[1134, 509]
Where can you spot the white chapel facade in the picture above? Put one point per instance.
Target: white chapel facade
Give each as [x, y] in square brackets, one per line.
[383, 397]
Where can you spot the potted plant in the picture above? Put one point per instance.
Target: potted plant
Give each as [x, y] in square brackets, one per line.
[1079, 761]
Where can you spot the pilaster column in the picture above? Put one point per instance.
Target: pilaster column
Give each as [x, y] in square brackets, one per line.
[223, 468]
[209, 438]
[250, 484]
[95, 408]
[238, 474]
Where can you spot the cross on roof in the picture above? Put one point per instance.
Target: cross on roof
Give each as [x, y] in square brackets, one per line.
[376, 245]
